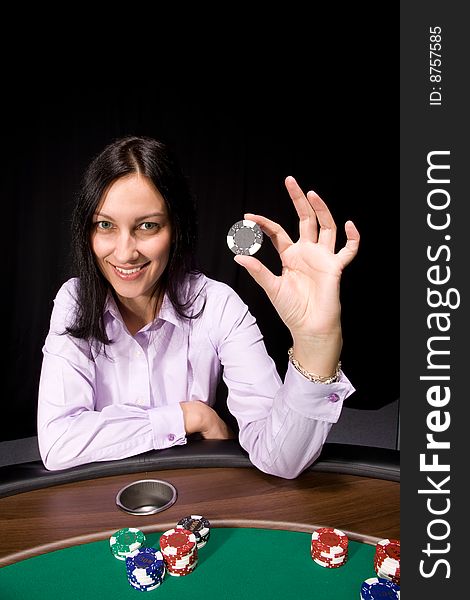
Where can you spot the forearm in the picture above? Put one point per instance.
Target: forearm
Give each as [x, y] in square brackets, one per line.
[319, 354]
[295, 426]
[285, 443]
[116, 432]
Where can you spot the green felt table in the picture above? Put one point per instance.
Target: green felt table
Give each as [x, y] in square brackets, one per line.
[237, 562]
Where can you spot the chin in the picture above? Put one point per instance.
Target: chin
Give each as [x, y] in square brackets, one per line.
[131, 292]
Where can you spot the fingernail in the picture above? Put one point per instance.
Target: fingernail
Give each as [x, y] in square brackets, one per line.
[236, 258]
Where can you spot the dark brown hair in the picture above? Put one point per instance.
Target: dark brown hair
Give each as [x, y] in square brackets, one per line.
[154, 160]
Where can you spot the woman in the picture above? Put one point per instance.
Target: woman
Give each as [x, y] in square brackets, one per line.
[139, 339]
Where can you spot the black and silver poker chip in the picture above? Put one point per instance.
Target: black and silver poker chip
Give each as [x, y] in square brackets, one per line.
[198, 525]
[245, 237]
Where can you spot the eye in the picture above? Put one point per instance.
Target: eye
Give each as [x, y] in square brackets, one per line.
[149, 226]
[104, 225]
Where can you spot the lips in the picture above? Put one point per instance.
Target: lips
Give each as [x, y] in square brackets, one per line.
[129, 274]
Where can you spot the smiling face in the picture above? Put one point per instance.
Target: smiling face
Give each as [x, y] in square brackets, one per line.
[131, 240]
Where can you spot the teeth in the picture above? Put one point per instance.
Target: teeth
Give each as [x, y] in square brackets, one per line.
[127, 271]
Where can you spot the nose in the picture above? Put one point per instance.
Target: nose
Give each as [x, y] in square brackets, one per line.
[126, 250]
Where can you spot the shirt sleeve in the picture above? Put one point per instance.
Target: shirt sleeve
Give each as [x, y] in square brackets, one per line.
[283, 425]
[70, 429]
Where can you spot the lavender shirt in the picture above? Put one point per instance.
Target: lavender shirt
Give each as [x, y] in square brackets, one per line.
[126, 402]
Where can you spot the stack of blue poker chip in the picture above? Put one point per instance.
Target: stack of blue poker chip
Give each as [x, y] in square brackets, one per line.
[146, 569]
[377, 587]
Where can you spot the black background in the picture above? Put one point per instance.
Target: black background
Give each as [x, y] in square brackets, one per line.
[319, 110]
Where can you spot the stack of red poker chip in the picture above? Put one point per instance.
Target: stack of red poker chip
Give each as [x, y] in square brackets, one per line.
[329, 547]
[179, 551]
[387, 560]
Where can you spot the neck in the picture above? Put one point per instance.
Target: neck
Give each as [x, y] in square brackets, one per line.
[136, 313]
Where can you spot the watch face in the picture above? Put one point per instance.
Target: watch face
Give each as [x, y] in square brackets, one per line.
[245, 237]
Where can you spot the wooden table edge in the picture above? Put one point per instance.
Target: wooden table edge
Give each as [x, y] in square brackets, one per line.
[244, 523]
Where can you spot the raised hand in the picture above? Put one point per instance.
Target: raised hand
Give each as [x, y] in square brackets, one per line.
[306, 294]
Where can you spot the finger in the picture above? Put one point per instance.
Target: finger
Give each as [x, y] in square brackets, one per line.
[261, 274]
[327, 234]
[349, 251]
[307, 218]
[274, 231]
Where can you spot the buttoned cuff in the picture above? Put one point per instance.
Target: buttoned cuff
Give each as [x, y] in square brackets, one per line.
[168, 426]
[319, 401]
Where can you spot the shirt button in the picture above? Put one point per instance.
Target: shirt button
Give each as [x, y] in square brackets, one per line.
[140, 401]
[333, 397]
[171, 437]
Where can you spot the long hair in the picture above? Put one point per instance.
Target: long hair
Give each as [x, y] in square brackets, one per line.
[154, 160]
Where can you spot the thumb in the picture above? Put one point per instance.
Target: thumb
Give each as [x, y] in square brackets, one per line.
[261, 274]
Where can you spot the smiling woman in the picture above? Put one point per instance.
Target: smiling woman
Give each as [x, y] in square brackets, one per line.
[140, 338]
[131, 240]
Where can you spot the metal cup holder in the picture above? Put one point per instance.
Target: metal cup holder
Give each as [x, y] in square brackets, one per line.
[146, 497]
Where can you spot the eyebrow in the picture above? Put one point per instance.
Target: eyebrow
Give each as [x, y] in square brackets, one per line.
[155, 214]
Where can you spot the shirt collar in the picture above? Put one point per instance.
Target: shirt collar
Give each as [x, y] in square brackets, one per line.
[193, 287]
[167, 312]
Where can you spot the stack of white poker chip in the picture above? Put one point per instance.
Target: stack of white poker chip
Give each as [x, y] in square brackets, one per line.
[198, 525]
[387, 560]
[329, 547]
[179, 549]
